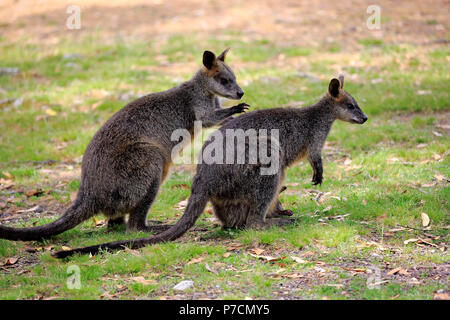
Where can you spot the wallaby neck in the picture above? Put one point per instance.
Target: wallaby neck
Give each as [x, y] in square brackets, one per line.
[324, 112]
[309, 126]
[198, 86]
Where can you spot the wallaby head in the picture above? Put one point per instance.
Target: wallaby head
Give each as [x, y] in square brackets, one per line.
[345, 106]
[220, 79]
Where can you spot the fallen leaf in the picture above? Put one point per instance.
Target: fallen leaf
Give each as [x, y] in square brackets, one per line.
[99, 222]
[234, 246]
[442, 296]
[393, 271]
[425, 219]
[144, 281]
[410, 240]
[400, 271]
[211, 269]
[50, 112]
[298, 260]
[8, 175]
[355, 269]
[6, 184]
[403, 272]
[181, 205]
[95, 105]
[267, 258]
[196, 260]
[396, 229]
[427, 242]
[10, 261]
[257, 251]
[65, 248]
[226, 254]
[73, 196]
[35, 192]
[295, 275]
[34, 209]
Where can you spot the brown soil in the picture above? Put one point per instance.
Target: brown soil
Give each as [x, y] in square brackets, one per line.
[318, 23]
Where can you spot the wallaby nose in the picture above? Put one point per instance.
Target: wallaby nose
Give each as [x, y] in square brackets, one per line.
[364, 118]
[240, 94]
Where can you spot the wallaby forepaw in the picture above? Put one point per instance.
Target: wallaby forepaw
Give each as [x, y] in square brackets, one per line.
[286, 213]
[317, 180]
[241, 107]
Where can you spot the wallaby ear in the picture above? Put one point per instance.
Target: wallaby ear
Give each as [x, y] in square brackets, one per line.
[209, 59]
[341, 80]
[223, 55]
[333, 87]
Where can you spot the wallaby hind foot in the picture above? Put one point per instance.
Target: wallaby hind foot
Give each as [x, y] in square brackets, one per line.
[278, 210]
[279, 222]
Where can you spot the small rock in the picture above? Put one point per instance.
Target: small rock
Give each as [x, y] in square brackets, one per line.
[72, 56]
[6, 101]
[375, 81]
[127, 96]
[268, 80]
[8, 71]
[183, 285]
[72, 65]
[306, 75]
[17, 102]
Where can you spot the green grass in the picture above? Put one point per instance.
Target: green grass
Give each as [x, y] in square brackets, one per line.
[381, 188]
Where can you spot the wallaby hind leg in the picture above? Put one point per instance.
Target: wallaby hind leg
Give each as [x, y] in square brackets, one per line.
[256, 218]
[138, 215]
[116, 223]
[278, 210]
[232, 214]
[257, 213]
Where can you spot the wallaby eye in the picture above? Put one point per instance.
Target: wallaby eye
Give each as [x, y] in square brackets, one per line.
[350, 106]
[223, 81]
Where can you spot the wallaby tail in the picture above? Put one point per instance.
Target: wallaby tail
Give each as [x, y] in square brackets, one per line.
[71, 218]
[194, 209]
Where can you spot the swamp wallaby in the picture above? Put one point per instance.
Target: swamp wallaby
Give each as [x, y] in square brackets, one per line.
[130, 155]
[241, 196]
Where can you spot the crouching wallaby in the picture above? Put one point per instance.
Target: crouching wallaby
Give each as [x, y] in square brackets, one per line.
[130, 155]
[240, 194]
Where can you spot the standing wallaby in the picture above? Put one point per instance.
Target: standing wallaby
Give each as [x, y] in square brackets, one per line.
[241, 196]
[130, 155]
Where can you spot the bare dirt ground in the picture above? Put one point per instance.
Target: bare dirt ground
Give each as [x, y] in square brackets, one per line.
[287, 22]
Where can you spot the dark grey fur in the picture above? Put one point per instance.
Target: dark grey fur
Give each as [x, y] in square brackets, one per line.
[240, 195]
[130, 155]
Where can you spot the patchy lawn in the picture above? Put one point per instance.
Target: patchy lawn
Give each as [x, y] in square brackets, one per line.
[360, 235]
